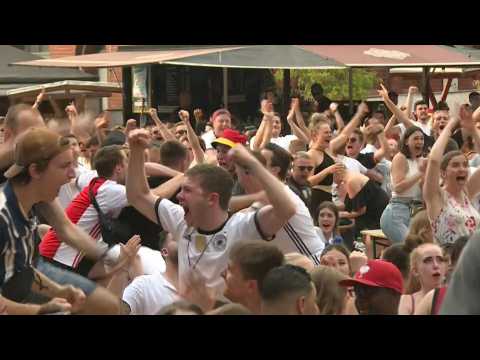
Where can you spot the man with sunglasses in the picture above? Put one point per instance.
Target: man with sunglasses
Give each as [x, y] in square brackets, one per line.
[378, 287]
[298, 181]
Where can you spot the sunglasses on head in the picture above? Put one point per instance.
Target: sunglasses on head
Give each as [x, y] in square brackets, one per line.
[303, 168]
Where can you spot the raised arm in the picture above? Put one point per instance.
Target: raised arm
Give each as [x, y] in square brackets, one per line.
[69, 233]
[341, 139]
[39, 99]
[412, 90]
[390, 124]
[399, 114]
[299, 117]
[138, 192]
[198, 153]
[317, 178]
[296, 129]
[380, 153]
[468, 122]
[169, 188]
[271, 218]
[155, 169]
[338, 118]
[431, 185]
[166, 134]
[102, 123]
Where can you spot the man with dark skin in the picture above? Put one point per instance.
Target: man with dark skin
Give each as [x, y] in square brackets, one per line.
[378, 287]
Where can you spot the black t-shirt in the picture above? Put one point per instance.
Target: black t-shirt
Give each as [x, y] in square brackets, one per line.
[304, 192]
[136, 223]
[375, 199]
[367, 160]
[323, 104]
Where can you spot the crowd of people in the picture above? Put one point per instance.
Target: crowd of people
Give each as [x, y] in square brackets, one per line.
[200, 216]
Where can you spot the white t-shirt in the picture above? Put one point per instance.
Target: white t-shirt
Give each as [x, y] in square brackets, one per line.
[352, 164]
[208, 252]
[425, 128]
[148, 294]
[70, 190]
[152, 260]
[282, 141]
[369, 148]
[208, 137]
[298, 234]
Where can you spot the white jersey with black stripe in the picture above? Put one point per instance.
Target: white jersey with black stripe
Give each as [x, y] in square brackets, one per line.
[298, 234]
[206, 252]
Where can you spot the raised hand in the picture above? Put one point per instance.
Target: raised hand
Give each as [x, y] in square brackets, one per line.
[197, 292]
[198, 114]
[413, 90]
[357, 260]
[71, 109]
[184, 116]
[139, 138]
[130, 249]
[383, 92]
[333, 107]
[39, 99]
[240, 156]
[332, 169]
[103, 121]
[267, 108]
[363, 108]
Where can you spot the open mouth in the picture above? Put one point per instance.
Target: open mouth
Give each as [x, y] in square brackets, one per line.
[436, 275]
[441, 127]
[461, 178]
[326, 226]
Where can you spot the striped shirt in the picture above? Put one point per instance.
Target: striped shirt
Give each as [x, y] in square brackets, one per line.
[18, 236]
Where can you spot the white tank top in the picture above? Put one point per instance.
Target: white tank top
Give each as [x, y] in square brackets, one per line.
[415, 192]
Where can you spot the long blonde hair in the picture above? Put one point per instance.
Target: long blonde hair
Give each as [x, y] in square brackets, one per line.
[331, 296]
[418, 231]
[413, 283]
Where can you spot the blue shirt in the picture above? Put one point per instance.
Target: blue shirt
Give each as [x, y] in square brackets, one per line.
[18, 236]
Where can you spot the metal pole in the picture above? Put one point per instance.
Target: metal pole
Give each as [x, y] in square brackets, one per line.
[425, 79]
[350, 90]
[225, 88]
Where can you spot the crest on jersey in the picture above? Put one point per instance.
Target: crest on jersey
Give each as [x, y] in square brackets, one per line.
[219, 242]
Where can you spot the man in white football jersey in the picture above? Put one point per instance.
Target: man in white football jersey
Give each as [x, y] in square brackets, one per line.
[201, 224]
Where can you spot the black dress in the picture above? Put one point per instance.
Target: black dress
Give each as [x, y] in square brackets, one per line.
[319, 196]
[375, 199]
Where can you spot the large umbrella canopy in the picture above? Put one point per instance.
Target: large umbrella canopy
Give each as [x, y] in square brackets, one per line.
[331, 56]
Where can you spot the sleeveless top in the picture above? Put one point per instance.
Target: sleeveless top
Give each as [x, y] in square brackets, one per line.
[415, 192]
[327, 161]
[455, 219]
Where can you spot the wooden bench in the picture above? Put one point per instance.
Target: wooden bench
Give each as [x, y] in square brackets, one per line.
[376, 238]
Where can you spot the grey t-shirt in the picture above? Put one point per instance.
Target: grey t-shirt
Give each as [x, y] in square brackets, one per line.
[463, 294]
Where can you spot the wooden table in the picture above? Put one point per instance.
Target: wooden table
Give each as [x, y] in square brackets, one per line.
[377, 237]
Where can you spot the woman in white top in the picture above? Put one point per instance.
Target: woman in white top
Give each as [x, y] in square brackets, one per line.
[449, 207]
[407, 172]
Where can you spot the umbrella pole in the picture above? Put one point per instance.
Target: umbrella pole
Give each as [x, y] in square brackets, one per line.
[350, 90]
[225, 88]
[425, 80]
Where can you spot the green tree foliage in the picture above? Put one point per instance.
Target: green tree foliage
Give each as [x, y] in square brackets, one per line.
[334, 82]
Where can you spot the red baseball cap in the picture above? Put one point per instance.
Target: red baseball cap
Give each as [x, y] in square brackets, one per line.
[230, 138]
[377, 273]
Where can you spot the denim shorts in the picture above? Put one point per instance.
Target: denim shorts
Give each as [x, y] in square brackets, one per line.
[65, 277]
